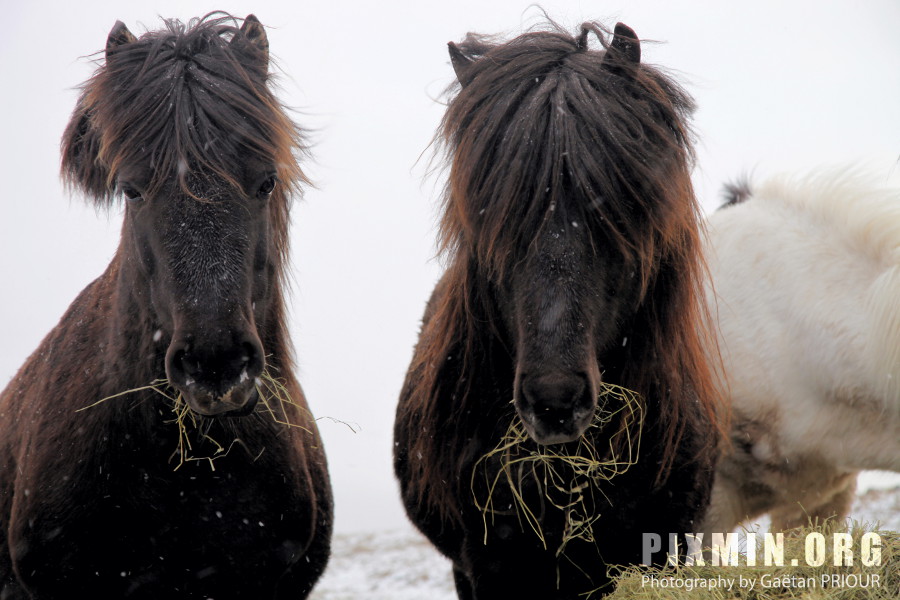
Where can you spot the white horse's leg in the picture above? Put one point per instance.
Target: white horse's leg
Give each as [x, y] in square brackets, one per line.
[832, 501]
[726, 508]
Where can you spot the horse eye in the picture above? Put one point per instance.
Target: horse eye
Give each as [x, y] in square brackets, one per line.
[130, 192]
[267, 187]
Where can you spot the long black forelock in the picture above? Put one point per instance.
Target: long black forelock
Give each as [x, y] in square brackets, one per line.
[183, 100]
[548, 87]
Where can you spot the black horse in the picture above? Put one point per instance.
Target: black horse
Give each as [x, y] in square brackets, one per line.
[572, 238]
[100, 502]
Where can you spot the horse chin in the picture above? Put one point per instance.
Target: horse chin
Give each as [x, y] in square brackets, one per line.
[239, 401]
[547, 434]
[548, 439]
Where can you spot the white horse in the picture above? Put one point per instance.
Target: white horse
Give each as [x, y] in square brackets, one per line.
[806, 278]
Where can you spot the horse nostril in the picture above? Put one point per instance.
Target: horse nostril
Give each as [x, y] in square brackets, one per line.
[182, 367]
[241, 359]
[189, 364]
[251, 359]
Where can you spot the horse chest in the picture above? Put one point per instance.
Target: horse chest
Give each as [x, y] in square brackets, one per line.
[190, 529]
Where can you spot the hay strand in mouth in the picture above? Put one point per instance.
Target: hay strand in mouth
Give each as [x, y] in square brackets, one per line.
[533, 479]
[160, 386]
[184, 450]
[274, 397]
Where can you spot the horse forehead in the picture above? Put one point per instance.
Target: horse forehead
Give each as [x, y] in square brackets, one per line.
[207, 211]
[551, 280]
[198, 189]
[213, 213]
[560, 248]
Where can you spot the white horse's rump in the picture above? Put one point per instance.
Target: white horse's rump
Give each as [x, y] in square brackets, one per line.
[806, 274]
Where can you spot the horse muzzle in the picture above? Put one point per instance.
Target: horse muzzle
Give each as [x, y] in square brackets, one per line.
[238, 401]
[555, 408]
[216, 379]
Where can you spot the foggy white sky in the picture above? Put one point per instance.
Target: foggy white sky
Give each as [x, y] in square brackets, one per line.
[780, 86]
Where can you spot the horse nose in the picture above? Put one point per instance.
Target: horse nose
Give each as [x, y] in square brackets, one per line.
[215, 377]
[557, 406]
[553, 392]
[215, 367]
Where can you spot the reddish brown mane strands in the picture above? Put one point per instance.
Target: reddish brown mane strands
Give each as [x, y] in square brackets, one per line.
[157, 443]
[572, 238]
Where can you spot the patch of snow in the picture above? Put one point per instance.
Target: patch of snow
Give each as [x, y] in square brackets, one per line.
[878, 506]
[395, 565]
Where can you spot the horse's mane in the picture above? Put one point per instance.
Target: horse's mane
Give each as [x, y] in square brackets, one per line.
[846, 200]
[855, 210]
[549, 87]
[187, 99]
[736, 192]
[543, 125]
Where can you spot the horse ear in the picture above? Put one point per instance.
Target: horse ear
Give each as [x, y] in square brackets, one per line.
[462, 64]
[625, 48]
[253, 44]
[80, 149]
[119, 35]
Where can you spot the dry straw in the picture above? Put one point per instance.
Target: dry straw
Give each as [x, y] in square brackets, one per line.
[566, 476]
[273, 395]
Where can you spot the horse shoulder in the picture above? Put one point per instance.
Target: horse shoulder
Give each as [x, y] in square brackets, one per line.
[39, 404]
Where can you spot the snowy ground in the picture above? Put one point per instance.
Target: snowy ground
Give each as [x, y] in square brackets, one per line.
[401, 565]
[881, 506]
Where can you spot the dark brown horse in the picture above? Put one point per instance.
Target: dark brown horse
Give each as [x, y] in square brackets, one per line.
[572, 238]
[183, 125]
